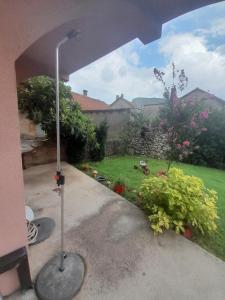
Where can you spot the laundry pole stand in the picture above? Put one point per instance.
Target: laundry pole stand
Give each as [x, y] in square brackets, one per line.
[61, 278]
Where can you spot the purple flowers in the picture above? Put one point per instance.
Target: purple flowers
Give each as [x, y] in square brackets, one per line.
[203, 115]
[186, 143]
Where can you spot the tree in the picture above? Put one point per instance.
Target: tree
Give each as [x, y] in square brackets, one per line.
[183, 122]
[37, 100]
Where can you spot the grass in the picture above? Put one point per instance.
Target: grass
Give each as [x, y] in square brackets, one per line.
[112, 168]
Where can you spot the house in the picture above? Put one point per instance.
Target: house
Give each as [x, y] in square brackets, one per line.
[87, 103]
[208, 100]
[98, 111]
[27, 49]
[121, 102]
[149, 106]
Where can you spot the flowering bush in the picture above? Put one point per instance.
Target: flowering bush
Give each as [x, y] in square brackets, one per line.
[209, 147]
[176, 200]
[182, 121]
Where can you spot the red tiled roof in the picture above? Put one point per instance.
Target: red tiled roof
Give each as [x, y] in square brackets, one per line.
[88, 103]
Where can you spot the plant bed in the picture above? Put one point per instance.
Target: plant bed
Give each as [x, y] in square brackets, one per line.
[213, 179]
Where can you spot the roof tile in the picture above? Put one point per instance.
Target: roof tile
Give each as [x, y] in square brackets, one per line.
[88, 103]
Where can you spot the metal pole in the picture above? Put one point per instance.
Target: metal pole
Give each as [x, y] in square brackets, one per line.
[57, 103]
[59, 175]
[58, 278]
[59, 171]
[57, 110]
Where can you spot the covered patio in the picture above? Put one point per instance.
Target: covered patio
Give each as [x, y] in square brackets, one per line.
[123, 259]
[96, 219]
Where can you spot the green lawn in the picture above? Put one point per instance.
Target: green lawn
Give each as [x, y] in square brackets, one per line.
[114, 167]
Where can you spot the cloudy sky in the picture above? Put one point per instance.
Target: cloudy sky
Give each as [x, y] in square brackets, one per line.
[194, 42]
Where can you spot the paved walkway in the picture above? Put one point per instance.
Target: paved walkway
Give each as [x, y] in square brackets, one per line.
[124, 260]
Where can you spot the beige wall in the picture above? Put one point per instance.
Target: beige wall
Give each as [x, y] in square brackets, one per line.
[152, 111]
[120, 103]
[115, 119]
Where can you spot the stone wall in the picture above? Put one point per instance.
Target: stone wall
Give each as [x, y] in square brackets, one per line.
[153, 143]
[113, 147]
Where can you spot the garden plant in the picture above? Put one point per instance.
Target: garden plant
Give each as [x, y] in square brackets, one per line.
[177, 200]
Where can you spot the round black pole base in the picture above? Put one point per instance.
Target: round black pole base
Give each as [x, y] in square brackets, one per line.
[53, 284]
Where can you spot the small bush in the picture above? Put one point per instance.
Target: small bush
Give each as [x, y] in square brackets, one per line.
[176, 200]
[76, 149]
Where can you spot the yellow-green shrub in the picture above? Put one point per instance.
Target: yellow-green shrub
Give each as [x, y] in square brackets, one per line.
[176, 200]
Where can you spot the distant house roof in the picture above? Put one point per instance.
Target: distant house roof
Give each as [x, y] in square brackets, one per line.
[121, 102]
[141, 102]
[204, 94]
[88, 103]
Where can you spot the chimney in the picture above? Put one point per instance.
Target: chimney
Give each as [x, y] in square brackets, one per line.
[85, 92]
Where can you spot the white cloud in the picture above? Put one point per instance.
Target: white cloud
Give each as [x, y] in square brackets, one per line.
[205, 68]
[121, 72]
[116, 73]
[216, 28]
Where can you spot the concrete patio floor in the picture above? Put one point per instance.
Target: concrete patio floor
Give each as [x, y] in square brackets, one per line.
[123, 258]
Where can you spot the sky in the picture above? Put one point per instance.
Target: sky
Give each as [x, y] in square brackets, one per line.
[195, 42]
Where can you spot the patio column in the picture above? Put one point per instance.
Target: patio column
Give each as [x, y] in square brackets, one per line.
[12, 211]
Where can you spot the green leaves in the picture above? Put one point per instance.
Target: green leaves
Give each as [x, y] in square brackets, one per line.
[177, 200]
[37, 100]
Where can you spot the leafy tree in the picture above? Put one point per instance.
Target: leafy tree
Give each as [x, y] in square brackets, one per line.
[37, 100]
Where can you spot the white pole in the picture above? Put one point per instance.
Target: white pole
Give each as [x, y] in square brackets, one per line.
[59, 174]
[60, 177]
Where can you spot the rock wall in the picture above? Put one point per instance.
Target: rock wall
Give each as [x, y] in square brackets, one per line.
[113, 147]
[151, 143]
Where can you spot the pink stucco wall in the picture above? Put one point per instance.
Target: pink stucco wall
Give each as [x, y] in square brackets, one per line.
[12, 219]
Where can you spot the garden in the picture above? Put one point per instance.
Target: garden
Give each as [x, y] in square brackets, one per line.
[177, 185]
[173, 193]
